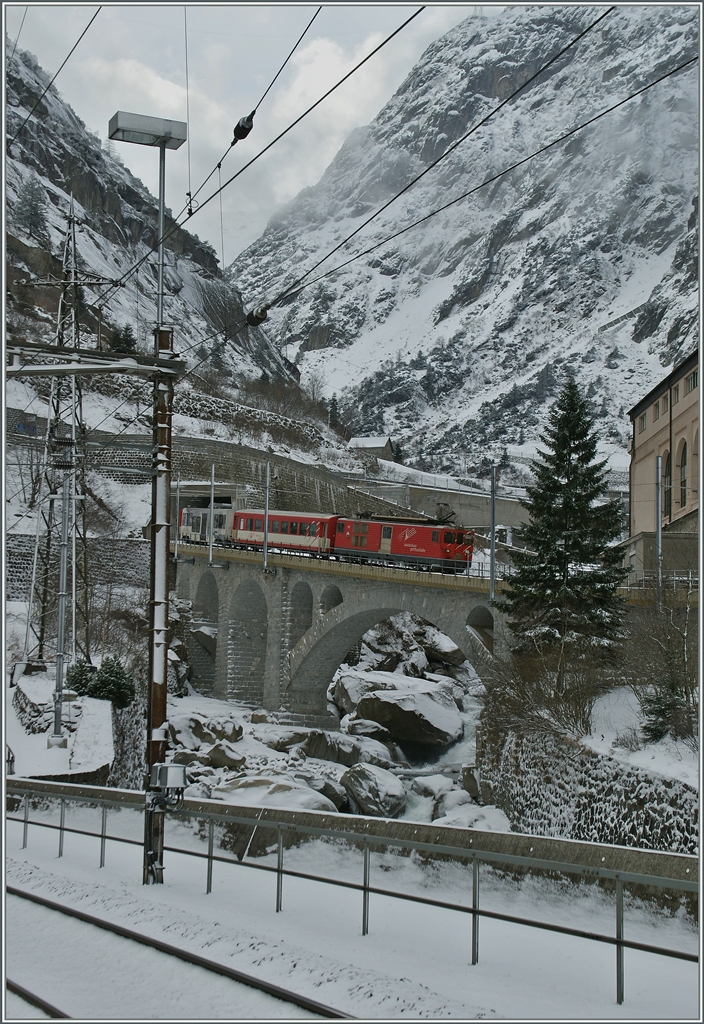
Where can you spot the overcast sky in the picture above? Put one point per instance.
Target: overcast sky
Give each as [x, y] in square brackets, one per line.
[133, 58]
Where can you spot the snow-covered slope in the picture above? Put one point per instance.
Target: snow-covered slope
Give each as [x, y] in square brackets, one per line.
[116, 226]
[455, 335]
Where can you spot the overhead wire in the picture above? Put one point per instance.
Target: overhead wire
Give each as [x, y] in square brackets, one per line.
[176, 226]
[14, 137]
[452, 147]
[237, 325]
[20, 32]
[487, 181]
[188, 108]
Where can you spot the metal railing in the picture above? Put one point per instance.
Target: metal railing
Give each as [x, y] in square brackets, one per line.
[9, 760]
[282, 822]
[672, 579]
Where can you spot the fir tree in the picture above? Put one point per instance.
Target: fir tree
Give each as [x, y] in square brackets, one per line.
[124, 340]
[563, 597]
[30, 211]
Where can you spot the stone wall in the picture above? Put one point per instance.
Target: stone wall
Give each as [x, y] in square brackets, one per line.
[552, 786]
[122, 561]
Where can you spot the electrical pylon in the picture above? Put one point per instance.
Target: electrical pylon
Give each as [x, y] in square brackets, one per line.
[63, 457]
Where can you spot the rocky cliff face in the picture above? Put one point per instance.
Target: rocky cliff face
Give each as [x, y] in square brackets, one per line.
[455, 335]
[116, 226]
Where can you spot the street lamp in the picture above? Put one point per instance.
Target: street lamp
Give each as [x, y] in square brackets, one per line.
[156, 131]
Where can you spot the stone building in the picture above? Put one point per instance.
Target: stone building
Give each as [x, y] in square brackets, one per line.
[666, 423]
[380, 447]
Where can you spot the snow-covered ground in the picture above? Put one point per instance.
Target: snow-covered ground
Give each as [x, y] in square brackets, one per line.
[413, 964]
[616, 724]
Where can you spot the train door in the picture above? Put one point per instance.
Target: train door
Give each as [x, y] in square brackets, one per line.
[385, 543]
[204, 526]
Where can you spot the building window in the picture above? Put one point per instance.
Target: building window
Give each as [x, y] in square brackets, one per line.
[656, 411]
[683, 476]
[665, 402]
[668, 486]
[691, 381]
[641, 423]
[675, 394]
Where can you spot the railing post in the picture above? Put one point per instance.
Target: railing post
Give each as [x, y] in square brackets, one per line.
[475, 906]
[25, 828]
[365, 892]
[209, 881]
[279, 868]
[62, 819]
[619, 947]
[103, 831]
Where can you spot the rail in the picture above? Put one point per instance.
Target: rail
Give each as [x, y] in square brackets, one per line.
[672, 579]
[678, 872]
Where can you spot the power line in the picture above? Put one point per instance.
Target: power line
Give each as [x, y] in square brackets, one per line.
[451, 148]
[244, 126]
[297, 44]
[14, 138]
[188, 109]
[287, 294]
[20, 32]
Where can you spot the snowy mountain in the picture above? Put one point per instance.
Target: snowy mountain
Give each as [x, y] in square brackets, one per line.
[454, 336]
[116, 226]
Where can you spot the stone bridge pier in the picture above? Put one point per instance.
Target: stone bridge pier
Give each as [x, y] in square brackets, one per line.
[275, 639]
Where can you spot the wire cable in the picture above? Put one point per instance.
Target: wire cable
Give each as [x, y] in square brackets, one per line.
[175, 226]
[188, 109]
[454, 146]
[14, 138]
[20, 32]
[297, 44]
[519, 163]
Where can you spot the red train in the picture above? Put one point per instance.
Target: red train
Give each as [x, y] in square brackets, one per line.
[377, 540]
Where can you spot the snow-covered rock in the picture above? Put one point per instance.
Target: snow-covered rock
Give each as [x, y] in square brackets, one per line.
[461, 330]
[432, 785]
[447, 803]
[271, 791]
[427, 717]
[374, 790]
[223, 755]
[349, 750]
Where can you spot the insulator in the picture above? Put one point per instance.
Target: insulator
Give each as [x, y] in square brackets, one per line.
[244, 127]
[257, 316]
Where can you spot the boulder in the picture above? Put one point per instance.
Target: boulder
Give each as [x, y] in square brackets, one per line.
[348, 750]
[191, 757]
[225, 729]
[444, 651]
[280, 738]
[272, 791]
[332, 790]
[190, 731]
[375, 790]
[207, 637]
[365, 727]
[258, 717]
[449, 802]
[432, 785]
[470, 782]
[224, 755]
[428, 717]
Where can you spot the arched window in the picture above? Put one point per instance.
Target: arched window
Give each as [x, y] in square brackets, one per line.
[683, 476]
[668, 485]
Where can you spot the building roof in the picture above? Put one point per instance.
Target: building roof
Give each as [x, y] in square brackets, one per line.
[676, 373]
[369, 442]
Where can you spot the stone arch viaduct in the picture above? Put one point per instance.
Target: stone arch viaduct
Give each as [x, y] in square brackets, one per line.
[276, 638]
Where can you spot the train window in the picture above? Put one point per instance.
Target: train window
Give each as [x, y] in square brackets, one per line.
[436, 536]
[362, 542]
[361, 527]
[284, 527]
[250, 524]
[274, 525]
[340, 527]
[258, 524]
[312, 527]
[448, 538]
[386, 532]
[294, 528]
[219, 522]
[460, 537]
[324, 532]
[195, 526]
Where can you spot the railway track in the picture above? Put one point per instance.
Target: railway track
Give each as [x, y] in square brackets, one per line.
[286, 996]
[34, 1000]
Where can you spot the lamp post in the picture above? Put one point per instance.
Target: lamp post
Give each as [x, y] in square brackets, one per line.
[156, 131]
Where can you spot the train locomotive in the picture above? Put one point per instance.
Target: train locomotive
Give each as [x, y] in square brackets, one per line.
[333, 536]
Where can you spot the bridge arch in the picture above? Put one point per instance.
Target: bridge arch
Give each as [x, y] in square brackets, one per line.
[203, 636]
[247, 640]
[481, 621]
[301, 611]
[330, 598]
